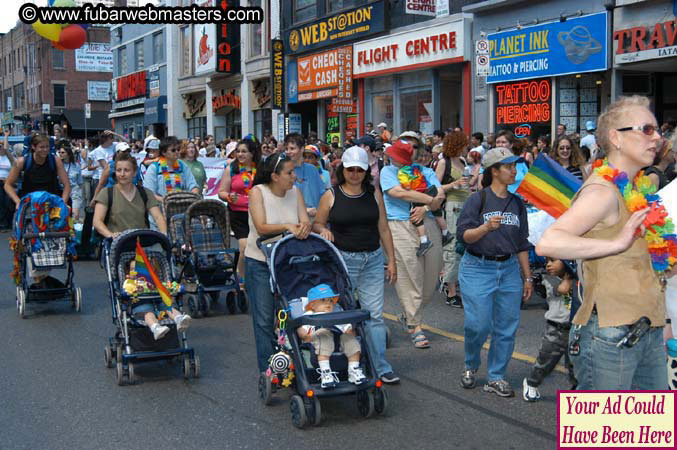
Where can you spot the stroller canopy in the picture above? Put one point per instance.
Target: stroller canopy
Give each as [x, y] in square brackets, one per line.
[126, 243]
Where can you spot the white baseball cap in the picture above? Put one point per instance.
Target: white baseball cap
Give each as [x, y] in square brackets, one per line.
[152, 144]
[121, 147]
[382, 124]
[230, 147]
[355, 157]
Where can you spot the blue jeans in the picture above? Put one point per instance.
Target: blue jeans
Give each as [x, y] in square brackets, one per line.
[263, 309]
[601, 365]
[366, 275]
[492, 294]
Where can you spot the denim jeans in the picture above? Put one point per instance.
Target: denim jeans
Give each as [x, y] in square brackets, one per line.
[600, 365]
[263, 309]
[492, 294]
[366, 275]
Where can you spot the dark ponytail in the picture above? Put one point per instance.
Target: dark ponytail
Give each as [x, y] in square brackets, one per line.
[488, 175]
[268, 166]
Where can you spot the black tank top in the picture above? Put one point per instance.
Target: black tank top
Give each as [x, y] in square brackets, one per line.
[354, 222]
[40, 177]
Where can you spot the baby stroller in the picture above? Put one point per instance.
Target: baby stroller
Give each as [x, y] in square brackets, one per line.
[211, 265]
[295, 267]
[133, 341]
[174, 206]
[43, 235]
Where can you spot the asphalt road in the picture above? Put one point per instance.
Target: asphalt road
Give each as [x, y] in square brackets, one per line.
[56, 393]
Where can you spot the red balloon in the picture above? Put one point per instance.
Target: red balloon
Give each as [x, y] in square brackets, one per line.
[72, 37]
[57, 46]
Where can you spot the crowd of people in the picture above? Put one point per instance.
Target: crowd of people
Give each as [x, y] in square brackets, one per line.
[435, 212]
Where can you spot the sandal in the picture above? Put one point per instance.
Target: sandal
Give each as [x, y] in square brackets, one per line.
[419, 340]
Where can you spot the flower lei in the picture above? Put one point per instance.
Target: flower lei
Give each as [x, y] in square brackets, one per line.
[167, 175]
[659, 227]
[248, 175]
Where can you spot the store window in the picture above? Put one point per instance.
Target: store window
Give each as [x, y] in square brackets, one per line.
[158, 48]
[60, 95]
[381, 100]
[185, 51]
[138, 51]
[57, 59]
[304, 10]
[255, 34]
[122, 61]
[337, 5]
[19, 96]
[263, 123]
[197, 127]
[416, 102]
[234, 124]
[579, 100]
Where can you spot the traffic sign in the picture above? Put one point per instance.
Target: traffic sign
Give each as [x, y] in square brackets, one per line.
[482, 68]
[88, 110]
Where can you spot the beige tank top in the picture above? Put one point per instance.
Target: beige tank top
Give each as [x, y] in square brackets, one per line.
[623, 287]
[278, 210]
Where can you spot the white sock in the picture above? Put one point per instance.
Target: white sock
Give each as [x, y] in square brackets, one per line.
[324, 365]
[424, 239]
[353, 364]
[445, 232]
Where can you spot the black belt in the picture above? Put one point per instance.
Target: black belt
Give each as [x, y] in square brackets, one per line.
[490, 258]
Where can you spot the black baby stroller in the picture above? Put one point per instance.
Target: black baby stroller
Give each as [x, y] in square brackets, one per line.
[211, 265]
[133, 341]
[174, 206]
[43, 237]
[296, 266]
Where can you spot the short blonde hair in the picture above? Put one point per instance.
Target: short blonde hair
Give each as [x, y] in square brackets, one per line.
[612, 116]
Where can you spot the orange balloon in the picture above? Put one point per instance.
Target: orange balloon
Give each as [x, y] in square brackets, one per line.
[72, 37]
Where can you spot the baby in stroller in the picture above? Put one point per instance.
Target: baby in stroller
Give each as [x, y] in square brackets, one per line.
[147, 310]
[321, 300]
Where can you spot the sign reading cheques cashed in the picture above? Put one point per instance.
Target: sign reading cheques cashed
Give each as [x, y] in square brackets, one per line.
[349, 25]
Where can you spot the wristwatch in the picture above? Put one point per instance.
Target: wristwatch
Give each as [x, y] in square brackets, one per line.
[427, 208]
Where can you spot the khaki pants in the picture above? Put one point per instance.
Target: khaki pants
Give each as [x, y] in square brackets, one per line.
[323, 341]
[451, 259]
[416, 277]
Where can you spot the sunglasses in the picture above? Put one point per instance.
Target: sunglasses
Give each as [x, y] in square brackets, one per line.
[355, 169]
[564, 147]
[647, 129]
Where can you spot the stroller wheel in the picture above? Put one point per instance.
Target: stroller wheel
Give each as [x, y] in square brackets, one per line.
[21, 302]
[298, 412]
[77, 299]
[265, 389]
[380, 401]
[203, 304]
[196, 366]
[365, 403]
[230, 302]
[186, 367]
[108, 356]
[130, 373]
[120, 372]
[242, 301]
[314, 411]
[191, 300]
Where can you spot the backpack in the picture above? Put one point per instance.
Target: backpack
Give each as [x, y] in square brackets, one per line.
[144, 197]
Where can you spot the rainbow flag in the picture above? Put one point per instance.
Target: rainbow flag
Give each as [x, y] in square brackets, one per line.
[145, 270]
[549, 186]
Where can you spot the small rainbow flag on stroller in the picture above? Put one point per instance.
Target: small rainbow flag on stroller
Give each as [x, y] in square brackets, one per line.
[145, 270]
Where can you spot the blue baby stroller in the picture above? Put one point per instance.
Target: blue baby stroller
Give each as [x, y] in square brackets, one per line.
[211, 264]
[43, 238]
[295, 267]
[133, 341]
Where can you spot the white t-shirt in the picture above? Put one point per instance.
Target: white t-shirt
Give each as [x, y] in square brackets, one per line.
[101, 154]
[589, 141]
[5, 165]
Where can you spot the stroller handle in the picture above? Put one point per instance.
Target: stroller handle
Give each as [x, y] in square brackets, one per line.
[270, 239]
[47, 234]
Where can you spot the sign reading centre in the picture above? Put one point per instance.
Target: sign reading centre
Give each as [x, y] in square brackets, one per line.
[326, 74]
[558, 48]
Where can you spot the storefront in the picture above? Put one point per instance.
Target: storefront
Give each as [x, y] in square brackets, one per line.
[260, 103]
[155, 115]
[227, 110]
[645, 55]
[417, 78]
[195, 114]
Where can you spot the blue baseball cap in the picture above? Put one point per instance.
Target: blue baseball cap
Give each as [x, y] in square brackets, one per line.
[321, 292]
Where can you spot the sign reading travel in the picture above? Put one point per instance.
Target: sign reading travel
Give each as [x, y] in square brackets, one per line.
[576, 45]
[352, 24]
[277, 73]
[326, 74]
[642, 43]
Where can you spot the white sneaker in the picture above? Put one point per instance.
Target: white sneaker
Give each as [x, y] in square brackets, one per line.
[356, 375]
[530, 393]
[328, 378]
[182, 322]
[159, 331]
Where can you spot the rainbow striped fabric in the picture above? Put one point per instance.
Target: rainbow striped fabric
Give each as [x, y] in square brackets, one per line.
[145, 270]
[549, 186]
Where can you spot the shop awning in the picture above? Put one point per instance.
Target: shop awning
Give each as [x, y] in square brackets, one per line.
[154, 110]
[98, 121]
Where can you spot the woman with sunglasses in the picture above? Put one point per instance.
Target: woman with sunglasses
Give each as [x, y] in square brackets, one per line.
[568, 155]
[358, 227]
[275, 206]
[168, 173]
[621, 285]
[74, 172]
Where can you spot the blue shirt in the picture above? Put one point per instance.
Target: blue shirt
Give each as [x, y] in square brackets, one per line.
[309, 182]
[154, 181]
[398, 209]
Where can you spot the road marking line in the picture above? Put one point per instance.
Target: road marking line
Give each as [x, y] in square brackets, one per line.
[457, 337]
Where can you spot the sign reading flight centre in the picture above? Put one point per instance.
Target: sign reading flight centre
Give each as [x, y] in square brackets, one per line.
[352, 24]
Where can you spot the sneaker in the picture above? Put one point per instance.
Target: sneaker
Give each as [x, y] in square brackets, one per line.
[182, 322]
[159, 331]
[390, 378]
[356, 375]
[328, 379]
[530, 393]
[499, 387]
[455, 301]
[468, 378]
[423, 248]
[447, 239]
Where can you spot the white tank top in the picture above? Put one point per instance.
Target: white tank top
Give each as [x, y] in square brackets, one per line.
[278, 210]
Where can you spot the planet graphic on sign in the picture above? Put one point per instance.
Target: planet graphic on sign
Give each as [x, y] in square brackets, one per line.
[579, 44]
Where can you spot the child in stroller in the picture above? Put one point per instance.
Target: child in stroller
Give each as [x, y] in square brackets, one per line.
[321, 300]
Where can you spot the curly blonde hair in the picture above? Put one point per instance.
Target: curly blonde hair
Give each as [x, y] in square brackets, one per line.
[612, 116]
[454, 144]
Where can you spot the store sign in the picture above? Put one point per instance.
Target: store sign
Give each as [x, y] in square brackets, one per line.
[277, 73]
[154, 83]
[442, 8]
[288, 123]
[522, 103]
[558, 48]
[205, 48]
[350, 25]
[226, 99]
[421, 7]
[94, 57]
[98, 91]
[194, 106]
[642, 43]
[292, 82]
[227, 44]
[261, 91]
[326, 74]
[425, 47]
[130, 86]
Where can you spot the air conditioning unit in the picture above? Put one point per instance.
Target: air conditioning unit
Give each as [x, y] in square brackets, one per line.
[637, 83]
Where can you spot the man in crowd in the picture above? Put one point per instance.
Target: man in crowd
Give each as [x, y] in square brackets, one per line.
[476, 142]
[368, 143]
[308, 179]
